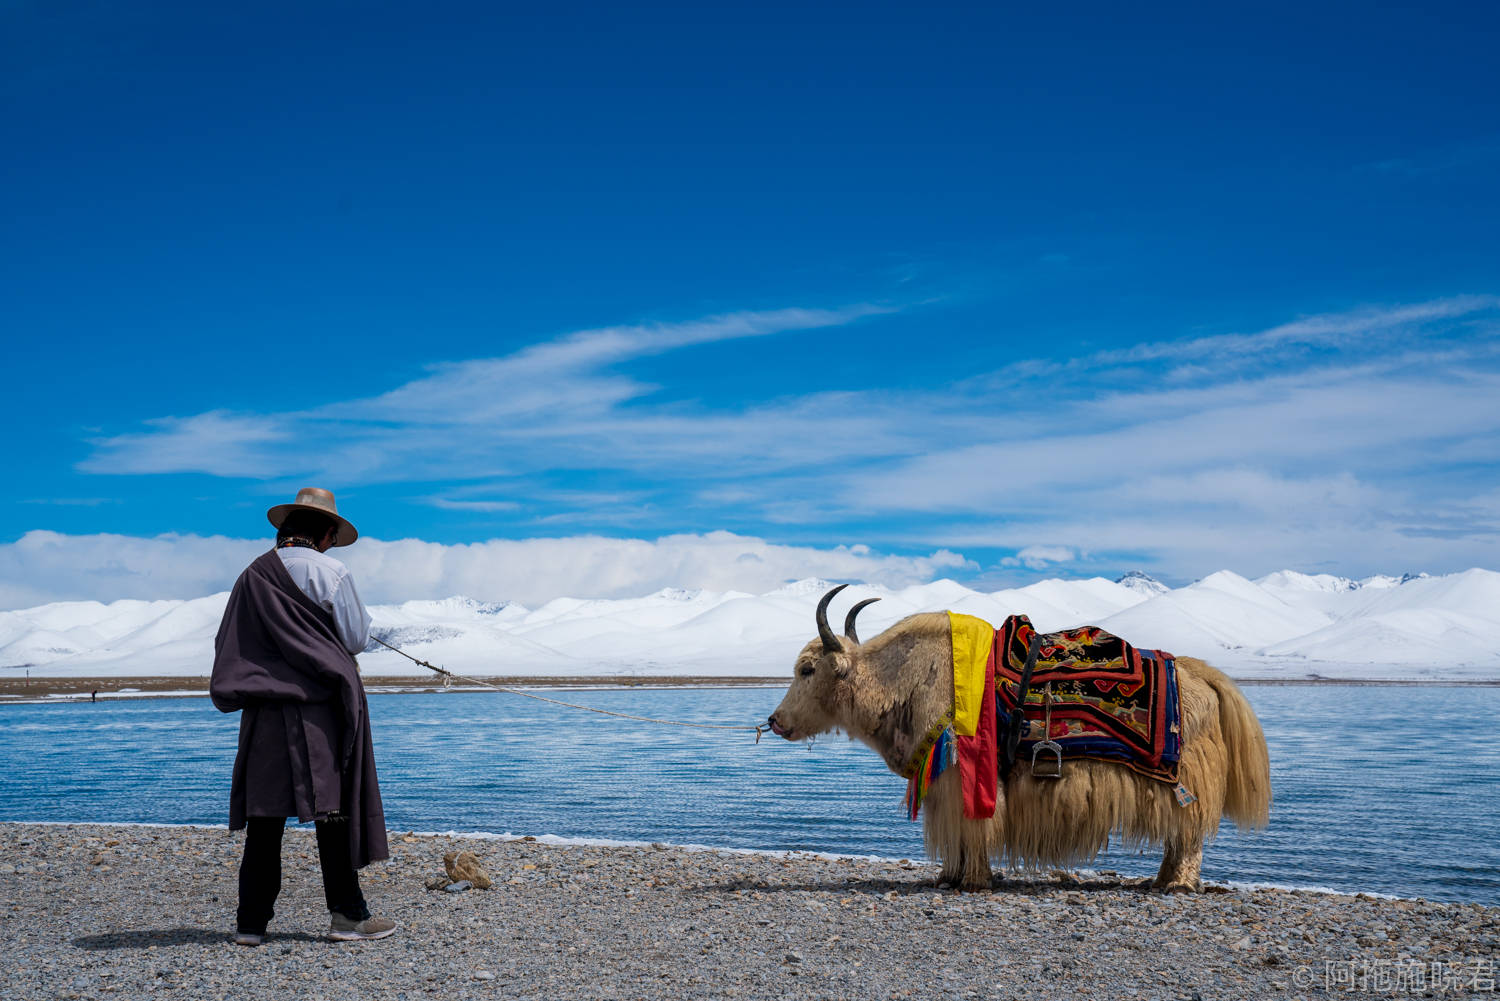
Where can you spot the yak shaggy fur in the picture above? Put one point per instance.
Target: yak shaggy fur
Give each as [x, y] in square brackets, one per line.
[888, 691]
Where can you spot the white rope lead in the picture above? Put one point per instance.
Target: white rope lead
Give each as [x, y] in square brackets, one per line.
[451, 676]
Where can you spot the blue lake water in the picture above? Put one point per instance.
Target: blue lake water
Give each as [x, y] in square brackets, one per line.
[1378, 789]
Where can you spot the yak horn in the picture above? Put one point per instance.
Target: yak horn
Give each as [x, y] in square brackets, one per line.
[853, 613]
[831, 642]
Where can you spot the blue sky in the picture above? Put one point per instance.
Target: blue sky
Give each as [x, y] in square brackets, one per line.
[992, 292]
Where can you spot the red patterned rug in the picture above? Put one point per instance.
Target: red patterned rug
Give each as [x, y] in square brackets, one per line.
[1109, 701]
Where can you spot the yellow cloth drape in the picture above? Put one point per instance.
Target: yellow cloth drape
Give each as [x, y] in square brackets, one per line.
[972, 639]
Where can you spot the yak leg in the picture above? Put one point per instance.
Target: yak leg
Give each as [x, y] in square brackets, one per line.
[963, 844]
[977, 873]
[969, 867]
[1180, 865]
[967, 871]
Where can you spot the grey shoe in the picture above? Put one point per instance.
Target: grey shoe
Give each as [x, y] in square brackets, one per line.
[342, 929]
[248, 938]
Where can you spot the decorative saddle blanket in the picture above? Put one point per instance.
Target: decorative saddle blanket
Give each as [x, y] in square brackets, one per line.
[1095, 695]
[1108, 700]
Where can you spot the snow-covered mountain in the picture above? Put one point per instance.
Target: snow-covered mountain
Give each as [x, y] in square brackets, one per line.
[1291, 580]
[1142, 583]
[1285, 624]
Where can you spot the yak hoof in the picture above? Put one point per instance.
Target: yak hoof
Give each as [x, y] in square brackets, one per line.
[963, 885]
[1181, 888]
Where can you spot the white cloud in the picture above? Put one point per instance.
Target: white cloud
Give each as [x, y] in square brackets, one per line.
[1323, 438]
[562, 375]
[1333, 329]
[1040, 557]
[217, 443]
[1295, 426]
[552, 405]
[42, 567]
[460, 504]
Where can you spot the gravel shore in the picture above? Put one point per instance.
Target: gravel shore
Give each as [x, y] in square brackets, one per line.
[122, 911]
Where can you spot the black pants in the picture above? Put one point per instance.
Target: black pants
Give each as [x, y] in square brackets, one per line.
[260, 872]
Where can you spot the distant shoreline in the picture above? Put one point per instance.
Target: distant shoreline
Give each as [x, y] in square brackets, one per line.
[20, 691]
[1398, 682]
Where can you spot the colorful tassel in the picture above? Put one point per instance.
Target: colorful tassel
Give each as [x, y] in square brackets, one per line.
[937, 760]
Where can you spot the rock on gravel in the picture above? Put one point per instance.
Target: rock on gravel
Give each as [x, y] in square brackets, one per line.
[662, 923]
[464, 867]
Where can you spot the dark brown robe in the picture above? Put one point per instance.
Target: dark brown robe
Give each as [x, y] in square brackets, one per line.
[305, 746]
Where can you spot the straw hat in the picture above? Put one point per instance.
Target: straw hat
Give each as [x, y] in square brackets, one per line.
[321, 501]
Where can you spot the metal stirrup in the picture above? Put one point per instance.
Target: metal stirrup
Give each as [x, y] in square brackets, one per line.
[1041, 769]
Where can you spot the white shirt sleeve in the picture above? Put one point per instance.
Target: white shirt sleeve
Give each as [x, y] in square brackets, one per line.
[329, 583]
[349, 615]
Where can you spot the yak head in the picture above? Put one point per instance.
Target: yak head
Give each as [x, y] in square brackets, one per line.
[822, 679]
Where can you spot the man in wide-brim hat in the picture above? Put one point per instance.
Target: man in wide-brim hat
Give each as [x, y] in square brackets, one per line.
[284, 658]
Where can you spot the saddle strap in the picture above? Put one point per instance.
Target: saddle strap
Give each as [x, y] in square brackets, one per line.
[1017, 718]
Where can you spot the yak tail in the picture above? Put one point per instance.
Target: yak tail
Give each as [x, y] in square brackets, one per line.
[1247, 768]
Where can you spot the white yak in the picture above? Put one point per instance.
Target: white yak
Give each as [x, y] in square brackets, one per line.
[888, 692]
